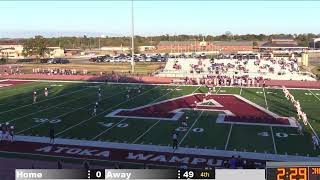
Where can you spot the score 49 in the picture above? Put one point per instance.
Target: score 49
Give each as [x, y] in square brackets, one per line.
[197, 174]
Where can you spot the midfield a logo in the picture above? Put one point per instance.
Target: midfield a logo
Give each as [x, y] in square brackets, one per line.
[233, 108]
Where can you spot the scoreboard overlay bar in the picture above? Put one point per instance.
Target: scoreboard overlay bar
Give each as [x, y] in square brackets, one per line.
[29, 174]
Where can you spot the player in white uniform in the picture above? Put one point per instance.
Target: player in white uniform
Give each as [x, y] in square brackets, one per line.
[99, 95]
[46, 92]
[174, 140]
[184, 122]
[6, 133]
[299, 114]
[94, 113]
[34, 97]
[11, 133]
[304, 118]
[315, 142]
[292, 98]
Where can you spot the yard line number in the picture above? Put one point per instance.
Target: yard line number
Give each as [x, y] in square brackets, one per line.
[46, 120]
[279, 134]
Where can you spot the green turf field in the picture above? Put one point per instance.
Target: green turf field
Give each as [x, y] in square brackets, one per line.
[69, 110]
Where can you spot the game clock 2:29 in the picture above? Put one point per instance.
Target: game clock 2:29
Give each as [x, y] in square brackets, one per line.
[292, 173]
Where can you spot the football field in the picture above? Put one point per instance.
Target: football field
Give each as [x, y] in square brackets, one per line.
[232, 121]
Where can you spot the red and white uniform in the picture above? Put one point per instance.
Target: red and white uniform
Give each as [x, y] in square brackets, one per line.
[304, 118]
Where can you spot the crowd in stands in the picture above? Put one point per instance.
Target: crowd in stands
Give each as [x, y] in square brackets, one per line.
[270, 68]
[211, 80]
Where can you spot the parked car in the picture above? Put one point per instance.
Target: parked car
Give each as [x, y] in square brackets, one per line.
[58, 61]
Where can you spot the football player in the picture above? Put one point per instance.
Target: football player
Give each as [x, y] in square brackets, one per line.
[94, 113]
[51, 135]
[99, 95]
[11, 133]
[184, 121]
[315, 142]
[46, 92]
[304, 118]
[299, 114]
[34, 97]
[97, 104]
[6, 130]
[174, 140]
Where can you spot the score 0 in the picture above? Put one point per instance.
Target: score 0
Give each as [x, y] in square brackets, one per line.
[96, 174]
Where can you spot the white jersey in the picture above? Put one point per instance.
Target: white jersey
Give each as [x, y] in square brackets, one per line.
[174, 136]
[304, 119]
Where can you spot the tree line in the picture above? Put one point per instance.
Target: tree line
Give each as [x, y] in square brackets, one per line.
[37, 45]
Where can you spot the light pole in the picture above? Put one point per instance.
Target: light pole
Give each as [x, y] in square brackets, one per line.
[132, 38]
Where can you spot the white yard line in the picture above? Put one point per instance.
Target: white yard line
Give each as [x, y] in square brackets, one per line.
[227, 143]
[139, 137]
[64, 114]
[314, 95]
[157, 122]
[185, 135]
[44, 100]
[274, 142]
[218, 90]
[265, 98]
[94, 138]
[230, 130]
[81, 122]
[314, 132]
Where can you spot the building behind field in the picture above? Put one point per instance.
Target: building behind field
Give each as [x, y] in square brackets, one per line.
[11, 49]
[282, 45]
[206, 46]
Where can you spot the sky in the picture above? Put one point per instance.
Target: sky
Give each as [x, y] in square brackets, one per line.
[151, 17]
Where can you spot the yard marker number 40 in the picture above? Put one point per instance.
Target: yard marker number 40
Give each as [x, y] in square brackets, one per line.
[105, 124]
[279, 135]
